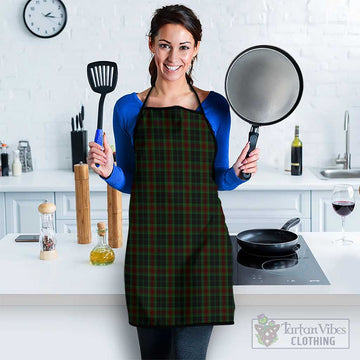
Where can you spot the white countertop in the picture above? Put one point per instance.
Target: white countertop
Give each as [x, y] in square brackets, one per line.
[268, 178]
[339, 263]
[48, 180]
[22, 271]
[265, 179]
[71, 278]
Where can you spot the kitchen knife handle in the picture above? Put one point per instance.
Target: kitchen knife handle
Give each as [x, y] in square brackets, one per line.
[253, 137]
[99, 139]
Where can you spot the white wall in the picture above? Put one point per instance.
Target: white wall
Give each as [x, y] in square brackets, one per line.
[43, 82]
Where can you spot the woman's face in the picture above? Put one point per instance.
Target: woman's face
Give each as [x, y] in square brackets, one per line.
[173, 49]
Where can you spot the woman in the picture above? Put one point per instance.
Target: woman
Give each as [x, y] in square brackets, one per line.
[172, 155]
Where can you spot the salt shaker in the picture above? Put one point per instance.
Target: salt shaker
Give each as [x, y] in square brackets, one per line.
[47, 233]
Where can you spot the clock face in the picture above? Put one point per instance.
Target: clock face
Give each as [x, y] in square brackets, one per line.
[45, 18]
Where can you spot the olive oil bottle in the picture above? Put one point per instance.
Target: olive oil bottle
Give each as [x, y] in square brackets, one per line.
[102, 253]
[296, 154]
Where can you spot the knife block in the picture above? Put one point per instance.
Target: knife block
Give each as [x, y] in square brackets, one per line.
[78, 147]
[82, 197]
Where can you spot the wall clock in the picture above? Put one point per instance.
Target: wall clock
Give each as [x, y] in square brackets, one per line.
[45, 18]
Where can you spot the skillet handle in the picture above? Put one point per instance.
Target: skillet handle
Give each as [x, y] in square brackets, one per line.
[291, 223]
[296, 247]
[253, 137]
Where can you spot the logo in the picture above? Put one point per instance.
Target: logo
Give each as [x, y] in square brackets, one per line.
[266, 330]
[300, 333]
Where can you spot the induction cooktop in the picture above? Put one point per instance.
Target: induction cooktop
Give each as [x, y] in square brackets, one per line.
[297, 268]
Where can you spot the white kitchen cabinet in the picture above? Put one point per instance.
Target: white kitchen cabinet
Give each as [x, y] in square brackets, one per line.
[69, 226]
[22, 214]
[324, 217]
[2, 216]
[243, 210]
[66, 210]
[265, 209]
[66, 205]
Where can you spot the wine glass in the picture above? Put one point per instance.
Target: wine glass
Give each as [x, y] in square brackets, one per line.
[343, 203]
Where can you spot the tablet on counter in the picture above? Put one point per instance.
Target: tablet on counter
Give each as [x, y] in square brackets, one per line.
[27, 238]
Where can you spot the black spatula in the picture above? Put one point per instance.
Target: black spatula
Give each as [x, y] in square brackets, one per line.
[102, 76]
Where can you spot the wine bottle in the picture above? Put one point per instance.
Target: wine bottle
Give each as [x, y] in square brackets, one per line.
[296, 154]
[4, 161]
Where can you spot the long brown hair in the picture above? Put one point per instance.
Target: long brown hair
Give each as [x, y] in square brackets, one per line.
[174, 14]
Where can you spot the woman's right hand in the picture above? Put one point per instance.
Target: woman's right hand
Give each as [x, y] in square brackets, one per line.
[102, 156]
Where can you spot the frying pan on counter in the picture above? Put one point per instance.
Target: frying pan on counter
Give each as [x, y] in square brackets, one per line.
[263, 85]
[268, 242]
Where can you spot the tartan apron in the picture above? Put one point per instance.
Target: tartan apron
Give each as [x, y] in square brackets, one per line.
[178, 264]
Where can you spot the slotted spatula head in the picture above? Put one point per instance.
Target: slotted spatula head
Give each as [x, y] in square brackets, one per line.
[102, 76]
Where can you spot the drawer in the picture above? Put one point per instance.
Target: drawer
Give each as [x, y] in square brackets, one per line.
[66, 205]
[247, 224]
[69, 227]
[265, 204]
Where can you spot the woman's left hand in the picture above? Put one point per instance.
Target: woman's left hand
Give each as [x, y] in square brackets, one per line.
[247, 165]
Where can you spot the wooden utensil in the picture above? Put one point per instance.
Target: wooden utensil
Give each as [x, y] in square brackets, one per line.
[114, 209]
[82, 196]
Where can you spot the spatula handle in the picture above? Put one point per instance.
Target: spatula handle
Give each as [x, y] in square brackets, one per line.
[99, 139]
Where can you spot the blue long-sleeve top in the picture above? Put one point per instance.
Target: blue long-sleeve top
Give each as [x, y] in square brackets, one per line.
[126, 111]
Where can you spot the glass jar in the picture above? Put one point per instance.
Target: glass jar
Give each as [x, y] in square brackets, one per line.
[47, 239]
[102, 253]
[16, 165]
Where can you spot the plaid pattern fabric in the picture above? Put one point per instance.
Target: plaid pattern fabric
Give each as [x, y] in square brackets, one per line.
[178, 266]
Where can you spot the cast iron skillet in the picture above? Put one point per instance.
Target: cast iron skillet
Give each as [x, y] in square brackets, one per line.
[270, 241]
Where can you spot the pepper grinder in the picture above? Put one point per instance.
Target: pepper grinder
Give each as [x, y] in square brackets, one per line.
[47, 233]
[82, 197]
[114, 211]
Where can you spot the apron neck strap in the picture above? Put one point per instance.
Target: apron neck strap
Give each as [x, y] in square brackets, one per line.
[192, 89]
[198, 99]
[144, 103]
[146, 98]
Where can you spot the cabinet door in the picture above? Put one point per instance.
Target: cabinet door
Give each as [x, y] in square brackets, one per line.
[66, 205]
[265, 209]
[324, 217]
[22, 211]
[66, 211]
[69, 226]
[66, 208]
[2, 216]
[247, 224]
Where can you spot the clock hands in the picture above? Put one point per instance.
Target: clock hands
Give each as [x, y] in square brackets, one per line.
[48, 15]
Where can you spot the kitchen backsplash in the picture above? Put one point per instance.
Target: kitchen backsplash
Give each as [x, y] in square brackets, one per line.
[43, 81]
